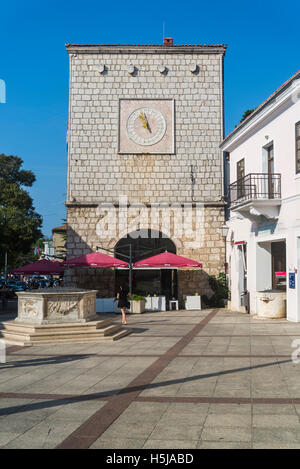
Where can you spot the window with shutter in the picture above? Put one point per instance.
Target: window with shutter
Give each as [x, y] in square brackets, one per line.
[298, 147]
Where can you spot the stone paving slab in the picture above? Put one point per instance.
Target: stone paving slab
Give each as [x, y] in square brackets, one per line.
[184, 379]
[43, 436]
[223, 445]
[118, 443]
[228, 433]
[172, 443]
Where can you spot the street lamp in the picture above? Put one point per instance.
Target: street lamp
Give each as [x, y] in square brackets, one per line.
[224, 230]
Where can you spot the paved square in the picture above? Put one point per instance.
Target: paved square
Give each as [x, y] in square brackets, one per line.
[182, 379]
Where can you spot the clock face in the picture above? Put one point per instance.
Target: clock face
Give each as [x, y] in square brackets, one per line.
[146, 126]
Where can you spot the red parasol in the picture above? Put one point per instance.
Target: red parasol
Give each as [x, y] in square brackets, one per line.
[41, 267]
[167, 259]
[95, 259]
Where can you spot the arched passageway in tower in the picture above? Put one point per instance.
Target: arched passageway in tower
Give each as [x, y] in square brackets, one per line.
[146, 243]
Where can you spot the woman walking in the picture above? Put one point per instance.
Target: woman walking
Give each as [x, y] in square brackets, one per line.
[4, 293]
[123, 302]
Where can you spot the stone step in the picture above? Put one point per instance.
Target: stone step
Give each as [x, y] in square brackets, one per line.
[37, 335]
[56, 328]
[18, 340]
[24, 334]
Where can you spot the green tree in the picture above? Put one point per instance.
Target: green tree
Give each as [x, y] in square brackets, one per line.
[20, 225]
[246, 114]
[31, 256]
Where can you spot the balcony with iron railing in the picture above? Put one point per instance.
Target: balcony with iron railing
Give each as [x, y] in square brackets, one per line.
[257, 194]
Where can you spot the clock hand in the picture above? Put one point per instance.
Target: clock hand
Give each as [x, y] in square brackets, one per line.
[148, 126]
[142, 117]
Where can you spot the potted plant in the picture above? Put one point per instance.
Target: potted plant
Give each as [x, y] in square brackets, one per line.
[137, 303]
[220, 290]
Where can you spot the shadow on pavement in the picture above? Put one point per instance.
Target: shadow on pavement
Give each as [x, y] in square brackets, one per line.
[42, 361]
[129, 389]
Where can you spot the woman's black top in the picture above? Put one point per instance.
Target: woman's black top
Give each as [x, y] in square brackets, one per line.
[123, 301]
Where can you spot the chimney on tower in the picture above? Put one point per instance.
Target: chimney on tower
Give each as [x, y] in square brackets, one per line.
[168, 41]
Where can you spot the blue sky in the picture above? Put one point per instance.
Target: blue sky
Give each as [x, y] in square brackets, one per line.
[263, 52]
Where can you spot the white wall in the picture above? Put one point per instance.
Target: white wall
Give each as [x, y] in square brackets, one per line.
[297, 294]
[276, 125]
[258, 238]
[263, 267]
[280, 129]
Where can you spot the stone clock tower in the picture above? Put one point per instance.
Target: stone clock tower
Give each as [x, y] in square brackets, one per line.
[145, 124]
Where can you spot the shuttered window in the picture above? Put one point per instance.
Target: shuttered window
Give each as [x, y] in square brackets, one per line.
[298, 147]
[240, 173]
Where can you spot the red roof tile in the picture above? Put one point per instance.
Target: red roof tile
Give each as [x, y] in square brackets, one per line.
[60, 228]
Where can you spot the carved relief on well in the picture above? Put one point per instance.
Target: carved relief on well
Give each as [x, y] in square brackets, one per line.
[57, 306]
[62, 307]
[29, 308]
[89, 305]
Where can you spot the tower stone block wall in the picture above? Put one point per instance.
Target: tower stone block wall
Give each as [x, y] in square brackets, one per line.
[99, 174]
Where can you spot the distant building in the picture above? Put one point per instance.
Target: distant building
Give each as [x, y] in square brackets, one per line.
[59, 235]
[263, 243]
[48, 249]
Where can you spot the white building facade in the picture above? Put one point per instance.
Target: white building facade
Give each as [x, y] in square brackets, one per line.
[263, 174]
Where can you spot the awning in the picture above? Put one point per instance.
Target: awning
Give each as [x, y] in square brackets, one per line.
[95, 259]
[167, 259]
[41, 267]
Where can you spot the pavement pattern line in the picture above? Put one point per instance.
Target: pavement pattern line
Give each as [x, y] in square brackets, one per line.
[54, 397]
[219, 400]
[90, 355]
[143, 355]
[244, 335]
[87, 433]
[170, 399]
